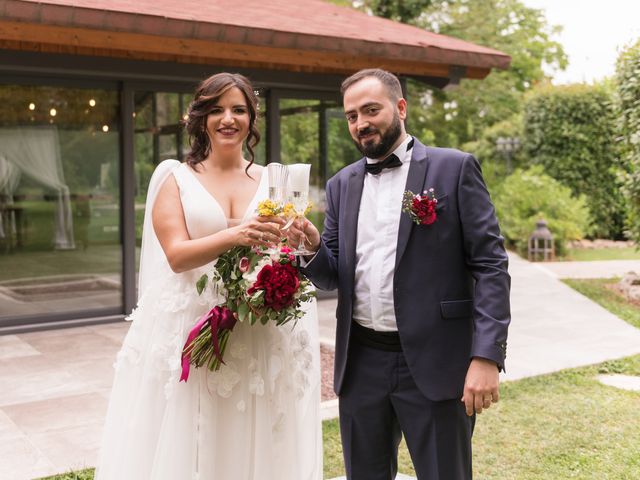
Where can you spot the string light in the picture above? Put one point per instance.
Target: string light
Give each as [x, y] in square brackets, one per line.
[92, 103]
[53, 112]
[105, 128]
[32, 106]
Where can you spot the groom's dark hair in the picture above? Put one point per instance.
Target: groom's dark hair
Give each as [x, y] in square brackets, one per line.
[388, 79]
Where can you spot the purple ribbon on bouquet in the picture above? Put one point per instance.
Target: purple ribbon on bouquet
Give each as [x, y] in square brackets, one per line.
[219, 318]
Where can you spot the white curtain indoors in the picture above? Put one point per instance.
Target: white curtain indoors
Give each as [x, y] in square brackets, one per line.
[35, 153]
[9, 180]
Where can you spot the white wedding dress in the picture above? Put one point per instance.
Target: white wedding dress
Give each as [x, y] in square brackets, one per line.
[257, 418]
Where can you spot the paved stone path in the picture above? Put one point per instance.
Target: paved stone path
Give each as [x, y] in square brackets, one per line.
[553, 327]
[55, 384]
[594, 269]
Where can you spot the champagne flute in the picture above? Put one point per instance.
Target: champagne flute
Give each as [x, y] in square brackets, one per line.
[278, 180]
[298, 196]
[278, 176]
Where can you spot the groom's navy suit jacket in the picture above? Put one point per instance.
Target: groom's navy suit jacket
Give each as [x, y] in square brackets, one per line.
[451, 286]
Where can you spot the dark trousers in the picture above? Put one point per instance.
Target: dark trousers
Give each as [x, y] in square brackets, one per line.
[380, 402]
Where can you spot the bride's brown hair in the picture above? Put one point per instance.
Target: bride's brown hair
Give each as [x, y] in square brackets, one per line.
[207, 95]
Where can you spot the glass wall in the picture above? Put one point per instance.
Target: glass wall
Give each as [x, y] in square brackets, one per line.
[158, 136]
[64, 161]
[60, 247]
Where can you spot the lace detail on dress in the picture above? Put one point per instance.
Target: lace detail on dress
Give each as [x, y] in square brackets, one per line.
[303, 356]
[132, 347]
[224, 379]
[256, 381]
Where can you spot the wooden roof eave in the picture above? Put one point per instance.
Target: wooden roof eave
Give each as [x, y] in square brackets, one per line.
[191, 50]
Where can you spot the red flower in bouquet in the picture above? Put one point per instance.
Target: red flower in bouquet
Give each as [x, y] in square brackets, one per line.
[421, 208]
[280, 282]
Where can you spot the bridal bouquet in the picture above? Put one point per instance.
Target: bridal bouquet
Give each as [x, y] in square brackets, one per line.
[259, 285]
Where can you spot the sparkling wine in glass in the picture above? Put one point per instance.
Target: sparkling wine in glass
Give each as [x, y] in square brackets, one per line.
[299, 196]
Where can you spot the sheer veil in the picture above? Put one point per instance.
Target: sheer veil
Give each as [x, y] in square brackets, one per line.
[153, 262]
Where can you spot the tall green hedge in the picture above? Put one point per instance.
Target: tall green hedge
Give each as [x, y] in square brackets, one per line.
[628, 95]
[571, 132]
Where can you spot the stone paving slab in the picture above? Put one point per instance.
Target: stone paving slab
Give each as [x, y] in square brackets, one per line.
[624, 382]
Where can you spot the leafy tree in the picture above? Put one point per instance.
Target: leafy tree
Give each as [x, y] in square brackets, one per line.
[461, 115]
[404, 11]
[628, 106]
[570, 131]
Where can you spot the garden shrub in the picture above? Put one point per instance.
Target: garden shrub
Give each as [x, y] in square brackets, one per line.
[571, 131]
[628, 103]
[527, 196]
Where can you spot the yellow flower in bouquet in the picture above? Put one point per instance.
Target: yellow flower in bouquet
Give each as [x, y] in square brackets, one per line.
[268, 208]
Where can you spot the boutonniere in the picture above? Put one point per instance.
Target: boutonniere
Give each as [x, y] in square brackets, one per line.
[420, 207]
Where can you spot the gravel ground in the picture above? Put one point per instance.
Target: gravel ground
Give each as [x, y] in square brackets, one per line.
[326, 369]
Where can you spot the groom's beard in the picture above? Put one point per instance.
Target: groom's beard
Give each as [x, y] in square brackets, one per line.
[371, 149]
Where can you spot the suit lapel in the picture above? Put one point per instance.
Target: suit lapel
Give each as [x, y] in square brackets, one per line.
[350, 220]
[416, 179]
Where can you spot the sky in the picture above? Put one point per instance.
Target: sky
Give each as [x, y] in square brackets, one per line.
[593, 34]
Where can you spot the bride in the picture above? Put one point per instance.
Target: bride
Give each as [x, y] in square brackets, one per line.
[257, 417]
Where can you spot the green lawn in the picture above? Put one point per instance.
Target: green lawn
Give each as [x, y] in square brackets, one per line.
[590, 254]
[565, 425]
[596, 289]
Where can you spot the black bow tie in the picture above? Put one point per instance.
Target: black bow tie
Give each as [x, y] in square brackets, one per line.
[392, 161]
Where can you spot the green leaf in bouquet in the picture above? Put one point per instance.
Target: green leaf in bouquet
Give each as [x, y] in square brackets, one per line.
[253, 261]
[243, 311]
[201, 284]
[264, 319]
[252, 318]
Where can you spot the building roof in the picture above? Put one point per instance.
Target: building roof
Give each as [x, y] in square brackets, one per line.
[311, 34]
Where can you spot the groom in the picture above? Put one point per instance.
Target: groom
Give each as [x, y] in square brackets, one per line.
[423, 310]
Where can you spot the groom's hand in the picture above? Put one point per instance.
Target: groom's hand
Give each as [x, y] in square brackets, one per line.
[481, 387]
[303, 228]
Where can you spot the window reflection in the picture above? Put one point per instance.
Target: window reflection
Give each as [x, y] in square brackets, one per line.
[60, 245]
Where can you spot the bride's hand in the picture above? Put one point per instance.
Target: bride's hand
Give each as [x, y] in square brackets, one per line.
[260, 231]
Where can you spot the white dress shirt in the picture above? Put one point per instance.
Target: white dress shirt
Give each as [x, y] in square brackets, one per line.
[377, 239]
